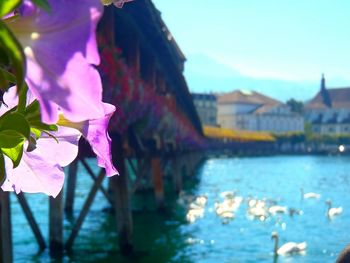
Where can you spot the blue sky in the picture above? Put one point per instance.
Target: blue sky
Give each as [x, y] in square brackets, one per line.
[288, 42]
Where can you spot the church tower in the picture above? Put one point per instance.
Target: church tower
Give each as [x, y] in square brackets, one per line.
[324, 93]
[323, 83]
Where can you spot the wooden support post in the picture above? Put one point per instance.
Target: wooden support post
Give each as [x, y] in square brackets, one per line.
[146, 173]
[140, 173]
[85, 209]
[177, 176]
[92, 175]
[164, 162]
[184, 165]
[110, 192]
[157, 177]
[191, 163]
[31, 220]
[121, 198]
[56, 226]
[133, 167]
[71, 184]
[5, 228]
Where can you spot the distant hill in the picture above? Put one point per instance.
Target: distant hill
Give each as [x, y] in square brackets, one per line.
[204, 74]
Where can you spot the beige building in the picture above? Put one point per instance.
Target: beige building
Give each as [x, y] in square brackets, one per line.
[329, 111]
[250, 110]
[206, 107]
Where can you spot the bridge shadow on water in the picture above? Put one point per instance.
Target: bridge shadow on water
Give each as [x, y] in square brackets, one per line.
[158, 235]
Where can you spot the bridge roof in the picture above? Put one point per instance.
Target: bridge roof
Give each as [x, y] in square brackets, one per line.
[155, 35]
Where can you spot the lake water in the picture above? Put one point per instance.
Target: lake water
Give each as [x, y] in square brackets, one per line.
[169, 237]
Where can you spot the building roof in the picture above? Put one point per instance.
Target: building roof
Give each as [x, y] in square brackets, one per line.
[249, 97]
[338, 98]
[264, 104]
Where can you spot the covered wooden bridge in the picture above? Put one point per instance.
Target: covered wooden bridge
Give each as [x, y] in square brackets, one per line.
[155, 126]
[237, 142]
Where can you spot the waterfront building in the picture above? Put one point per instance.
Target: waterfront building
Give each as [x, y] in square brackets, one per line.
[206, 107]
[250, 110]
[329, 111]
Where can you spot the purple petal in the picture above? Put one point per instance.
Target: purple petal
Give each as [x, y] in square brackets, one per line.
[60, 48]
[11, 99]
[34, 175]
[40, 170]
[95, 132]
[65, 150]
[27, 8]
[78, 95]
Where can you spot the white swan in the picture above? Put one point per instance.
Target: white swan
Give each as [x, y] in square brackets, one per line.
[277, 209]
[259, 211]
[201, 200]
[333, 211]
[193, 214]
[309, 195]
[227, 215]
[288, 248]
[228, 205]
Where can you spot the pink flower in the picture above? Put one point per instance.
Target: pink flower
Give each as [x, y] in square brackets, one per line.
[40, 171]
[61, 50]
[95, 132]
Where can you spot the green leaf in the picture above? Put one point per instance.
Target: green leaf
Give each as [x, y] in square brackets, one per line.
[8, 75]
[42, 126]
[32, 110]
[7, 6]
[4, 84]
[11, 144]
[10, 44]
[15, 121]
[10, 139]
[2, 169]
[32, 114]
[31, 144]
[22, 98]
[4, 60]
[44, 4]
[36, 132]
[15, 154]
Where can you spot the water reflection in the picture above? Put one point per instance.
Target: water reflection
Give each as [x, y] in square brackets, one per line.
[259, 195]
[275, 180]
